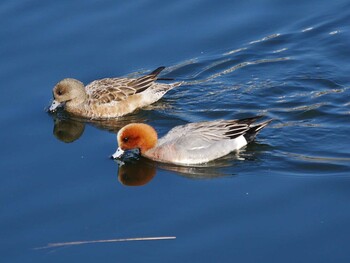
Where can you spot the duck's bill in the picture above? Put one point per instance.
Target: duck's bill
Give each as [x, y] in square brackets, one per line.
[55, 104]
[118, 154]
[126, 155]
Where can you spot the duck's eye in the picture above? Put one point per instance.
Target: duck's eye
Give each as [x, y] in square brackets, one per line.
[125, 139]
[59, 92]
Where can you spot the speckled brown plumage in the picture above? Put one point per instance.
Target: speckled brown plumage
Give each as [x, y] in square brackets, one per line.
[109, 97]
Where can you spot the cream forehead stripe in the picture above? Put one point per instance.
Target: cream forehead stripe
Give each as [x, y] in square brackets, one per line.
[120, 132]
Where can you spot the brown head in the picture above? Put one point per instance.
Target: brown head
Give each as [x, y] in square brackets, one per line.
[68, 91]
[136, 136]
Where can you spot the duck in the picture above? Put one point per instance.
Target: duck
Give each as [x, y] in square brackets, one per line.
[189, 144]
[109, 97]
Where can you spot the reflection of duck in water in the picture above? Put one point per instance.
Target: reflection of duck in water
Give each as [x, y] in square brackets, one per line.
[141, 171]
[136, 173]
[68, 129]
[109, 97]
[189, 144]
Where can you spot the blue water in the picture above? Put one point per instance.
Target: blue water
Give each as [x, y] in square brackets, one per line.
[284, 198]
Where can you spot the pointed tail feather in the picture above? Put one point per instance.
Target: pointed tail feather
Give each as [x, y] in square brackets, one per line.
[250, 120]
[156, 71]
[254, 130]
[144, 82]
[160, 69]
[166, 79]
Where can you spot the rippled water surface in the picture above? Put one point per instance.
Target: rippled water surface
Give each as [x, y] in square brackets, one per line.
[284, 198]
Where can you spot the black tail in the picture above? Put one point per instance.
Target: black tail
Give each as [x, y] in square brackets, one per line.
[254, 130]
[250, 120]
[144, 82]
[156, 72]
[166, 79]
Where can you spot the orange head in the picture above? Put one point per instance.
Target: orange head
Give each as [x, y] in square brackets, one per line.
[137, 135]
